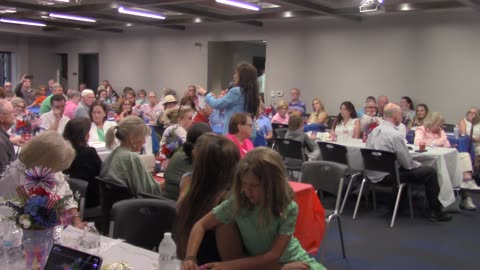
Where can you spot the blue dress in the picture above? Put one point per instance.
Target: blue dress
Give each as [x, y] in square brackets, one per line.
[232, 102]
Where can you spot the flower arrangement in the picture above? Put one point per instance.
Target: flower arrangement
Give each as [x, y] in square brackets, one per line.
[170, 143]
[28, 124]
[39, 207]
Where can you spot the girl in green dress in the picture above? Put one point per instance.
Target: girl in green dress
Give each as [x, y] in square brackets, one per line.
[263, 209]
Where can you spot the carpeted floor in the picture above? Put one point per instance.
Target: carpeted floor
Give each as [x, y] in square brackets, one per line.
[412, 244]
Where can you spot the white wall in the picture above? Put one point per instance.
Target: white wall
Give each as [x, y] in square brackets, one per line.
[433, 58]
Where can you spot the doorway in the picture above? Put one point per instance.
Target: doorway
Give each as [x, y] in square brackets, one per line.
[5, 67]
[88, 70]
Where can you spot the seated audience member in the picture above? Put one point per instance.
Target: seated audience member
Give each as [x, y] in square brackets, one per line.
[103, 96]
[169, 103]
[203, 114]
[141, 98]
[240, 130]
[181, 163]
[259, 217]
[124, 110]
[123, 165]
[347, 125]
[100, 125]
[188, 101]
[386, 137]
[72, 103]
[54, 119]
[192, 92]
[49, 151]
[296, 109]
[19, 109]
[175, 135]
[408, 114]
[88, 97]
[361, 111]
[369, 120]
[40, 96]
[7, 119]
[211, 180]
[295, 102]
[318, 115]
[46, 104]
[295, 132]
[470, 125]
[151, 110]
[432, 134]
[381, 102]
[7, 87]
[420, 113]
[264, 125]
[86, 164]
[281, 117]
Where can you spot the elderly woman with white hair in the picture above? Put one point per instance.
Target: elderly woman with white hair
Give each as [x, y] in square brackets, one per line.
[48, 150]
[432, 134]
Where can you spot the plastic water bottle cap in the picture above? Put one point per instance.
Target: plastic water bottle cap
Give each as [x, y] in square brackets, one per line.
[167, 234]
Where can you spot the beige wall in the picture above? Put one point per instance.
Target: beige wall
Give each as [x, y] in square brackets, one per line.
[433, 58]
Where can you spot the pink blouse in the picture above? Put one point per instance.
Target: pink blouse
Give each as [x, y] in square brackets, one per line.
[244, 146]
[423, 134]
[277, 119]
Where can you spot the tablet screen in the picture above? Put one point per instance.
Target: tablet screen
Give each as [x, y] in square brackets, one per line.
[63, 258]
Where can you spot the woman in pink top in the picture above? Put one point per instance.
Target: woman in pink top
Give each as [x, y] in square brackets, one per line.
[432, 134]
[281, 117]
[240, 130]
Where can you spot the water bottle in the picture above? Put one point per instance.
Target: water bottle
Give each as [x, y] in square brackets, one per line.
[4, 223]
[90, 239]
[12, 244]
[167, 253]
[456, 132]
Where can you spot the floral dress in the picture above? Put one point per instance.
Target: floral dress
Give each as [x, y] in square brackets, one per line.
[173, 138]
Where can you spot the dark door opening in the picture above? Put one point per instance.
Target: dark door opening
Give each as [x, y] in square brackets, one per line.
[88, 70]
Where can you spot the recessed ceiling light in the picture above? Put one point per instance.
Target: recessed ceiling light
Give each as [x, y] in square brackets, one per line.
[405, 7]
[129, 24]
[287, 14]
[197, 20]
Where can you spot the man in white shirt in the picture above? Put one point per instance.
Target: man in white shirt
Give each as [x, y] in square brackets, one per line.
[386, 137]
[54, 119]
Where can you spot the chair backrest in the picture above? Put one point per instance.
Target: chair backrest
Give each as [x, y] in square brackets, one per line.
[381, 161]
[290, 148]
[333, 152]
[157, 197]
[277, 125]
[280, 132]
[449, 128]
[79, 188]
[142, 222]
[314, 127]
[110, 193]
[325, 176]
[331, 120]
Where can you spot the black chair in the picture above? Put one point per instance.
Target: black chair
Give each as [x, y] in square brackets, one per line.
[326, 176]
[152, 196]
[142, 222]
[293, 154]
[338, 153]
[331, 120]
[280, 132]
[449, 128]
[277, 125]
[110, 193]
[79, 188]
[386, 162]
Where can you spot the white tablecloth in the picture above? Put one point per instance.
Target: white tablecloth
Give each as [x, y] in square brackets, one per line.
[444, 160]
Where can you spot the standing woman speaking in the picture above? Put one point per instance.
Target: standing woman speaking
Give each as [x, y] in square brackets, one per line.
[243, 97]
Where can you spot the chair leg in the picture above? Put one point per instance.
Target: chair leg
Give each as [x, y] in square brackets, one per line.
[345, 197]
[397, 202]
[325, 237]
[374, 198]
[410, 203]
[342, 243]
[359, 198]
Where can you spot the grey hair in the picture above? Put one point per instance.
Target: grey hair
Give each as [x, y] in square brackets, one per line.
[16, 101]
[433, 118]
[130, 126]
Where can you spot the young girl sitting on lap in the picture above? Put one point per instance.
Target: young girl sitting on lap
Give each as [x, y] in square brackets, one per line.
[262, 207]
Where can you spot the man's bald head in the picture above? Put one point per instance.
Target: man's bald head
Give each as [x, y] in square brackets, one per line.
[392, 113]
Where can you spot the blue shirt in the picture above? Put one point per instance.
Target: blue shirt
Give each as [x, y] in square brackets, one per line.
[264, 125]
[216, 120]
[232, 102]
[299, 103]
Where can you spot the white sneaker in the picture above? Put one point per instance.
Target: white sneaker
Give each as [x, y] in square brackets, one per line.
[468, 204]
[470, 185]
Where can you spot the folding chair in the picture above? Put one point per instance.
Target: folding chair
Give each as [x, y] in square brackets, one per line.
[110, 193]
[142, 222]
[383, 161]
[293, 154]
[326, 176]
[280, 132]
[79, 188]
[338, 153]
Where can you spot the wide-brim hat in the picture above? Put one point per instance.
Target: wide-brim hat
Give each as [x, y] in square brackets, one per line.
[169, 99]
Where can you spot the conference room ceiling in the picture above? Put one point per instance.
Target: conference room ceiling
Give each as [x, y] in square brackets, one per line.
[180, 14]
